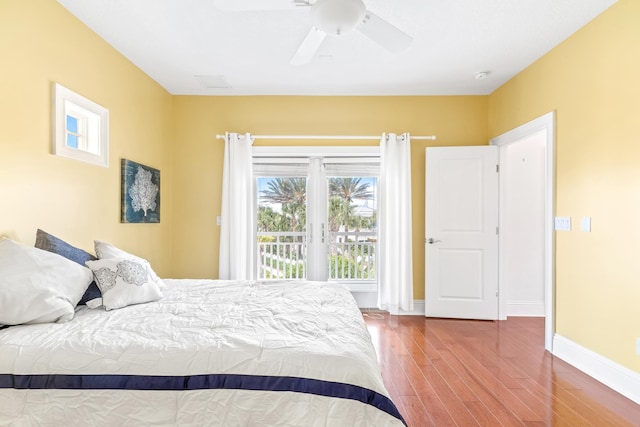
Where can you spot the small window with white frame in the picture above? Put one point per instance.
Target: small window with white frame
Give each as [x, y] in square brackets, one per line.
[81, 127]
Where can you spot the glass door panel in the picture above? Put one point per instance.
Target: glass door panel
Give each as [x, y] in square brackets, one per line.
[352, 228]
[281, 222]
[322, 226]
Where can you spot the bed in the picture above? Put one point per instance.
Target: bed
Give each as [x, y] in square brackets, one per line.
[222, 353]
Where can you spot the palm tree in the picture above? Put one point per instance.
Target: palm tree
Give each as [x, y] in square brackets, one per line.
[346, 190]
[349, 189]
[270, 220]
[286, 190]
[291, 193]
[336, 213]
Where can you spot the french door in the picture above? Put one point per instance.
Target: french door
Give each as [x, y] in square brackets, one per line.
[317, 219]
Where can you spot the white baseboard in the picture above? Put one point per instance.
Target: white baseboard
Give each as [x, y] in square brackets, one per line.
[369, 300]
[525, 308]
[621, 379]
[366, 299]
[418, 309]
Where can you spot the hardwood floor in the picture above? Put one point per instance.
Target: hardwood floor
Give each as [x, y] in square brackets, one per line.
[443, 372]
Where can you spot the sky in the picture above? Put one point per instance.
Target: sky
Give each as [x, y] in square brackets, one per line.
[263, 183]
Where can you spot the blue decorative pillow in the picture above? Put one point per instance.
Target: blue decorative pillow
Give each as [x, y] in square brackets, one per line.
[58, 246]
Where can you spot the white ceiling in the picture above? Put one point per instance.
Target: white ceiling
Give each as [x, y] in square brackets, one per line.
[175, 41]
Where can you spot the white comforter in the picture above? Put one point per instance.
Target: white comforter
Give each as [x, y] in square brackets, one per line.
[196, 351]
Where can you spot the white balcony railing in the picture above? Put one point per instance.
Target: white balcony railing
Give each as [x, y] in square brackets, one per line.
[351, 256]
[282, 255]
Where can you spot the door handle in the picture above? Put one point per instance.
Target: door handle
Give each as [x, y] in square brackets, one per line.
[431, 241]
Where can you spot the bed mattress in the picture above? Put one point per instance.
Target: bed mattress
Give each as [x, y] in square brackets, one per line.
[223, 353]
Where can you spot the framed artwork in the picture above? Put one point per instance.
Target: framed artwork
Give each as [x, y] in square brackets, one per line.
[140, 192]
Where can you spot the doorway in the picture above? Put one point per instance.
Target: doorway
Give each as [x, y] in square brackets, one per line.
[542, 131]
[532, 139]
[317, 216]
[521, 271]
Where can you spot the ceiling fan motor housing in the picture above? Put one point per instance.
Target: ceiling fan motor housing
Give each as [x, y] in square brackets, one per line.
[337, 16]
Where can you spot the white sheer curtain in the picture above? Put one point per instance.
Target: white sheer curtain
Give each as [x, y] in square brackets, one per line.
[237, 242]
[395, 291]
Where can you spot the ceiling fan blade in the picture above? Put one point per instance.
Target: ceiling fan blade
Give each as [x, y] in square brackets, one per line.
[382, 32]
[309, 47]
[259, 5]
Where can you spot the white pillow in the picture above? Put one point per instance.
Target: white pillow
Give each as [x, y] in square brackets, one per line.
[37, 286]
[123, 282]
[106, 250]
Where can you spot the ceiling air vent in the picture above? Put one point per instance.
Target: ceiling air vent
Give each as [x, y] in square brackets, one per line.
[213, 82]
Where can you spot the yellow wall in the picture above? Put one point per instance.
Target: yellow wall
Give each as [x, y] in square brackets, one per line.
[591, 81]
[41, 43]
[198, 168]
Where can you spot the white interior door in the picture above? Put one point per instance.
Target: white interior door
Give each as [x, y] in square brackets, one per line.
[461, 242]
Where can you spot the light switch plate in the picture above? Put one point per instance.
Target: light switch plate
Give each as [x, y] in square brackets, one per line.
[585, 224]
[563, 223]
[218, 220]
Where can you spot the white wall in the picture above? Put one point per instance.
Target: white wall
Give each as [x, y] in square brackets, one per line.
[522, 198]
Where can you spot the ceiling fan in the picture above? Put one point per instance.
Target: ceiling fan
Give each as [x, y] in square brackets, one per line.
[329, 17]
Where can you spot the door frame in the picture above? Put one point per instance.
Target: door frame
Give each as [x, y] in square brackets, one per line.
[544, 123]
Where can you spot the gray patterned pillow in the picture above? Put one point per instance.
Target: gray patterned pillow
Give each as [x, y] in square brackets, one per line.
[107, 250]
[124, 282]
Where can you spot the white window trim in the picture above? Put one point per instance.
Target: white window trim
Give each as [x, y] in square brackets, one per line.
[95, 151]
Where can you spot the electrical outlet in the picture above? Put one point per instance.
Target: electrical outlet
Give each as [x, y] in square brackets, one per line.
[585, 224]
[638, 346]
[563, 223]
